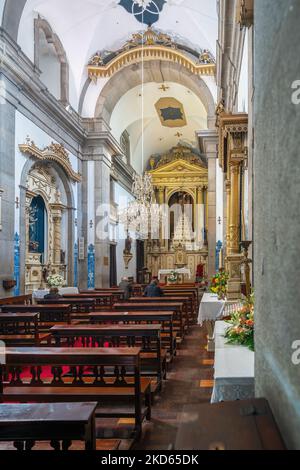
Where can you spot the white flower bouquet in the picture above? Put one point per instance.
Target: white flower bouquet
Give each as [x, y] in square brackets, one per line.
[56, 280]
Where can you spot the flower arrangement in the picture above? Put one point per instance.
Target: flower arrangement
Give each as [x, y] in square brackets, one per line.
[173, 277]
[218, 284]
[241, 330]
[56, 280]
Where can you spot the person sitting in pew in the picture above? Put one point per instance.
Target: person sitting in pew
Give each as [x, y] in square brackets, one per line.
[126, 286]
[53, 294]
[153, 289]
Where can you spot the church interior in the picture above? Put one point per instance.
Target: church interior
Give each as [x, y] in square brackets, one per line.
[149, 225]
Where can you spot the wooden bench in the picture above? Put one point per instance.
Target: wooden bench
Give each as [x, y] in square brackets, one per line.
[59, 423]
[103, 299]
[18, 299]
[187, 302]
[21, 329]
[117, 294]
[175, 307]
[48, 312]
[147, 337]
[79, 305]
[109, 376]
[164, 318]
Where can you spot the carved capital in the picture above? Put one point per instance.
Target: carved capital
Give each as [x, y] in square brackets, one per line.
[245, 12]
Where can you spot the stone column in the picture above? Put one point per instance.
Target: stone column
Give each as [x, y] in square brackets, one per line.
[8, 103]
[56, 219]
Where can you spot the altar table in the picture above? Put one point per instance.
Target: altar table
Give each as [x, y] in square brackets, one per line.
[211, 308]
[234, 369]
[167, 272]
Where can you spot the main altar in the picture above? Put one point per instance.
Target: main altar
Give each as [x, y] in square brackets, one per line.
[180, 184]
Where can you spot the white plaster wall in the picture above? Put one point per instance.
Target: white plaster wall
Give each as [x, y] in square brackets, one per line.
[122, 197]
[2, 3]
[243, 92]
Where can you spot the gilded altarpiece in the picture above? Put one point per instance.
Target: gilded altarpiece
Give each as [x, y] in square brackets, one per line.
[233, 157]
[180, 176]
[39, 264]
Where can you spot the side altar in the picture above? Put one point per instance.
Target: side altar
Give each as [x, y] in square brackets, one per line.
[180, 184]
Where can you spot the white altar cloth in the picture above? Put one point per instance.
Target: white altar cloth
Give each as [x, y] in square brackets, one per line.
[164, 272]
[234, 369]
[40, 293]
[211, 308]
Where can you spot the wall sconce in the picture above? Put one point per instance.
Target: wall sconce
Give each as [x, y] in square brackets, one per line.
[17, 203]
[75, 222]
[219, 220]
[91, 224]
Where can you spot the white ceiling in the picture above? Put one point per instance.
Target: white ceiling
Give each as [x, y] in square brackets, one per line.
[136, 113]
[85, 26]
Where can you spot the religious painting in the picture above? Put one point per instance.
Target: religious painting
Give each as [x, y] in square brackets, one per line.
[171, 112]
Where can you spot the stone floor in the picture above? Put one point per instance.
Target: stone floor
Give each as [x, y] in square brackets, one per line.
[189, 382]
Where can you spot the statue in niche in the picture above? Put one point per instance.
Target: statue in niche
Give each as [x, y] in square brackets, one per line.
[180, 256]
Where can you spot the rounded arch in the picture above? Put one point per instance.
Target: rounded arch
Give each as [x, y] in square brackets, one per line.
[154, 71]
[180, 190]
[12, 13]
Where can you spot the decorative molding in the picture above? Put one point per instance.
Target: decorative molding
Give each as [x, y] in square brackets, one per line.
[233, 133]
[245, 12]
[147, 46]
[54, 152]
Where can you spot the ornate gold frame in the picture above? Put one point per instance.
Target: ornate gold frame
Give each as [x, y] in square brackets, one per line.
[54, 152]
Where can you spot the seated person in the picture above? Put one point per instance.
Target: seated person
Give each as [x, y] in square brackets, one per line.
[126, 286]
[153, 290]
[53, 294]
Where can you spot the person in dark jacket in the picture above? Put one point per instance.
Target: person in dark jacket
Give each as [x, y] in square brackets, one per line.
[53, 294]
[126, 286]
[153, 290]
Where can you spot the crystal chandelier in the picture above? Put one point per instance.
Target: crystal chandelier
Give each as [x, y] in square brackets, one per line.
[142, 189]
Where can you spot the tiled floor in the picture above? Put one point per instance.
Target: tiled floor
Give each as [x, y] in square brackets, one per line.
[189, 382]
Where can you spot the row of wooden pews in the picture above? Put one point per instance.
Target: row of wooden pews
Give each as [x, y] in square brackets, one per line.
[85, 349]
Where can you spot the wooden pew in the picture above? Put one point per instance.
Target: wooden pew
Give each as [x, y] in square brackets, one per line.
[19, 299]
[186, 300]
[110, 376]
[48, 312]
[21, 329]
[103, 299]
[182, 290]
[176, 307]
[163, 317]
[79, 305]
[147, 337]
[24, 424]
[117, 294]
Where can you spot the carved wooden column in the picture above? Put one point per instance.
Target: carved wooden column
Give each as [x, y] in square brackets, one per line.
[56, 213]
[233, 131]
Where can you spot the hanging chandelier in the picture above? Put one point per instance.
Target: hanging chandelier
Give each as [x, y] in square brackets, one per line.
[142, 189]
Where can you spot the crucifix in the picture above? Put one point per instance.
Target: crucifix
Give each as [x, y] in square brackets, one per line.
[178, 134]
[164, 87]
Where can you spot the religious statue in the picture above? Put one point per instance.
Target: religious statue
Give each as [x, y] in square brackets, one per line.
[127, 255]
[180, 256]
